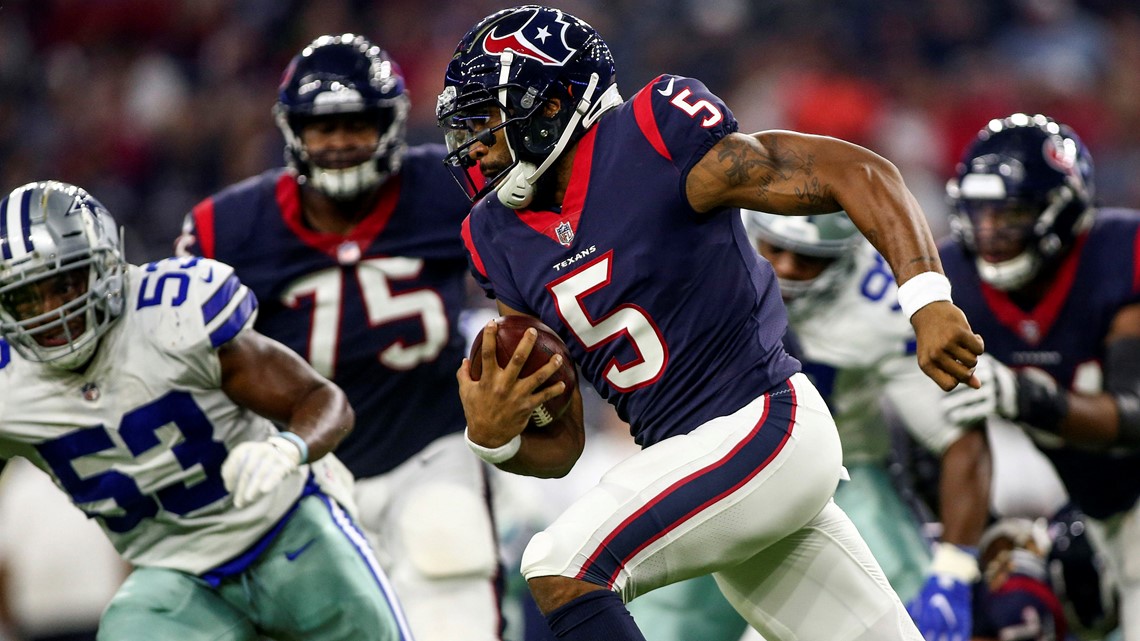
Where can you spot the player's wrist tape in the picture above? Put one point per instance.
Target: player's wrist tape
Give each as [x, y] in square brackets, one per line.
[955, 561]
[302, 446]
[922, 290]
[1040, 401]
[494, 455]
[1122, 380]
[1128, 419]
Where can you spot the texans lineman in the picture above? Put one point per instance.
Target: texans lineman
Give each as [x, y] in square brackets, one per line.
[1055, 282]
[146, 396]
[616, 223]
[355, 252]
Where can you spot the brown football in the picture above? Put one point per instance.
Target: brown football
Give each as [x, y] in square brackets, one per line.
[510, 332]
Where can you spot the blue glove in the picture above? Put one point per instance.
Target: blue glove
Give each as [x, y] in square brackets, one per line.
[942, 609]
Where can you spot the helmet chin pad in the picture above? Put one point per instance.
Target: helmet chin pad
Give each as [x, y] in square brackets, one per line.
[803, 297]
[515, 190]
[1012, 274]
[75, 354]
[347, 183]
[793, 289]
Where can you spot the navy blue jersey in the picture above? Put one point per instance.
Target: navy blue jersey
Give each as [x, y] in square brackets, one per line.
[1064, 335]
[670, 314]
[375, 310]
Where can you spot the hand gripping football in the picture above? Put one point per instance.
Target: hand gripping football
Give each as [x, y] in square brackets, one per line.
[510, 332]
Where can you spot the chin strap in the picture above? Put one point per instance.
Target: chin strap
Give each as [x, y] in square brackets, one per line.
[513, 190]
[516, 190]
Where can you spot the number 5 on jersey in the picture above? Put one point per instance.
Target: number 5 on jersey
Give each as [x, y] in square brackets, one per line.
[625, 321]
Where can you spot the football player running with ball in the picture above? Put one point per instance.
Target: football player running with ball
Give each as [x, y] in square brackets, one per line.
[148, 398]
[355, 251]
[617, 224]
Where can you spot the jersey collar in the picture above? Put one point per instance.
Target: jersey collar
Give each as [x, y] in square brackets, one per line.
[288, 196]
[562, 226]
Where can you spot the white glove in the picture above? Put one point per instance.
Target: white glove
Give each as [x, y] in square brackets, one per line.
[965, 405]
[254, 468]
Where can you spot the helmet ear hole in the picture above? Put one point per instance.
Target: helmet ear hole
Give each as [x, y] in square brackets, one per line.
[542, 132]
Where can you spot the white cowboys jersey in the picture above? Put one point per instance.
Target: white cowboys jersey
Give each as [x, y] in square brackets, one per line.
[138, 439]
[859, 348]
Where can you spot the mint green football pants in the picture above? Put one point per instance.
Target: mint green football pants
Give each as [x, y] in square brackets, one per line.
[317, 581]
[695, 609]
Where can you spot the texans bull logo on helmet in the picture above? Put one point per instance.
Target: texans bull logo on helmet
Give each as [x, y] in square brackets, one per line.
[1061, 154]
[539, 37]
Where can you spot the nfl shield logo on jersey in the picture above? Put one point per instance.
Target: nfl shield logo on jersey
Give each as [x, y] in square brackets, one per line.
[1030, 331]
[348, 253]
[91, 392]
[565, 233]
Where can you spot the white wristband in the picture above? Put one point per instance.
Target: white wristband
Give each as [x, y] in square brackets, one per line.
[494, 454]
[922, 290]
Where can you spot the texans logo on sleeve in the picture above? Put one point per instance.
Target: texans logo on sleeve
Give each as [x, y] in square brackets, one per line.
[538, 38]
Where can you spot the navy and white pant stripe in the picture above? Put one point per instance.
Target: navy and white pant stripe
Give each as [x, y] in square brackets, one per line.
[695, 492]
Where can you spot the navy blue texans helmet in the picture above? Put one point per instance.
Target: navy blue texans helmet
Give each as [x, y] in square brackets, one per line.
[514, 61]
[1022, 193]
[343, 75]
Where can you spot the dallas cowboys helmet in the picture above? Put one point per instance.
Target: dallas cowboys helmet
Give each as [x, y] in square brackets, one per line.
[514, 61]
[1022, 194]
[62, 273]
[335, 75]
[830, 236]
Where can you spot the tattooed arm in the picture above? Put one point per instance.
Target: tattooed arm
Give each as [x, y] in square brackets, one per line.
[784, 172]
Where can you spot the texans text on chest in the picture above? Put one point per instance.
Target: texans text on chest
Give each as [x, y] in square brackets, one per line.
[575, 258]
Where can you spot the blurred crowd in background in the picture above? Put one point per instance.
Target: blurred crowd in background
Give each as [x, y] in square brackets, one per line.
[153, 104]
